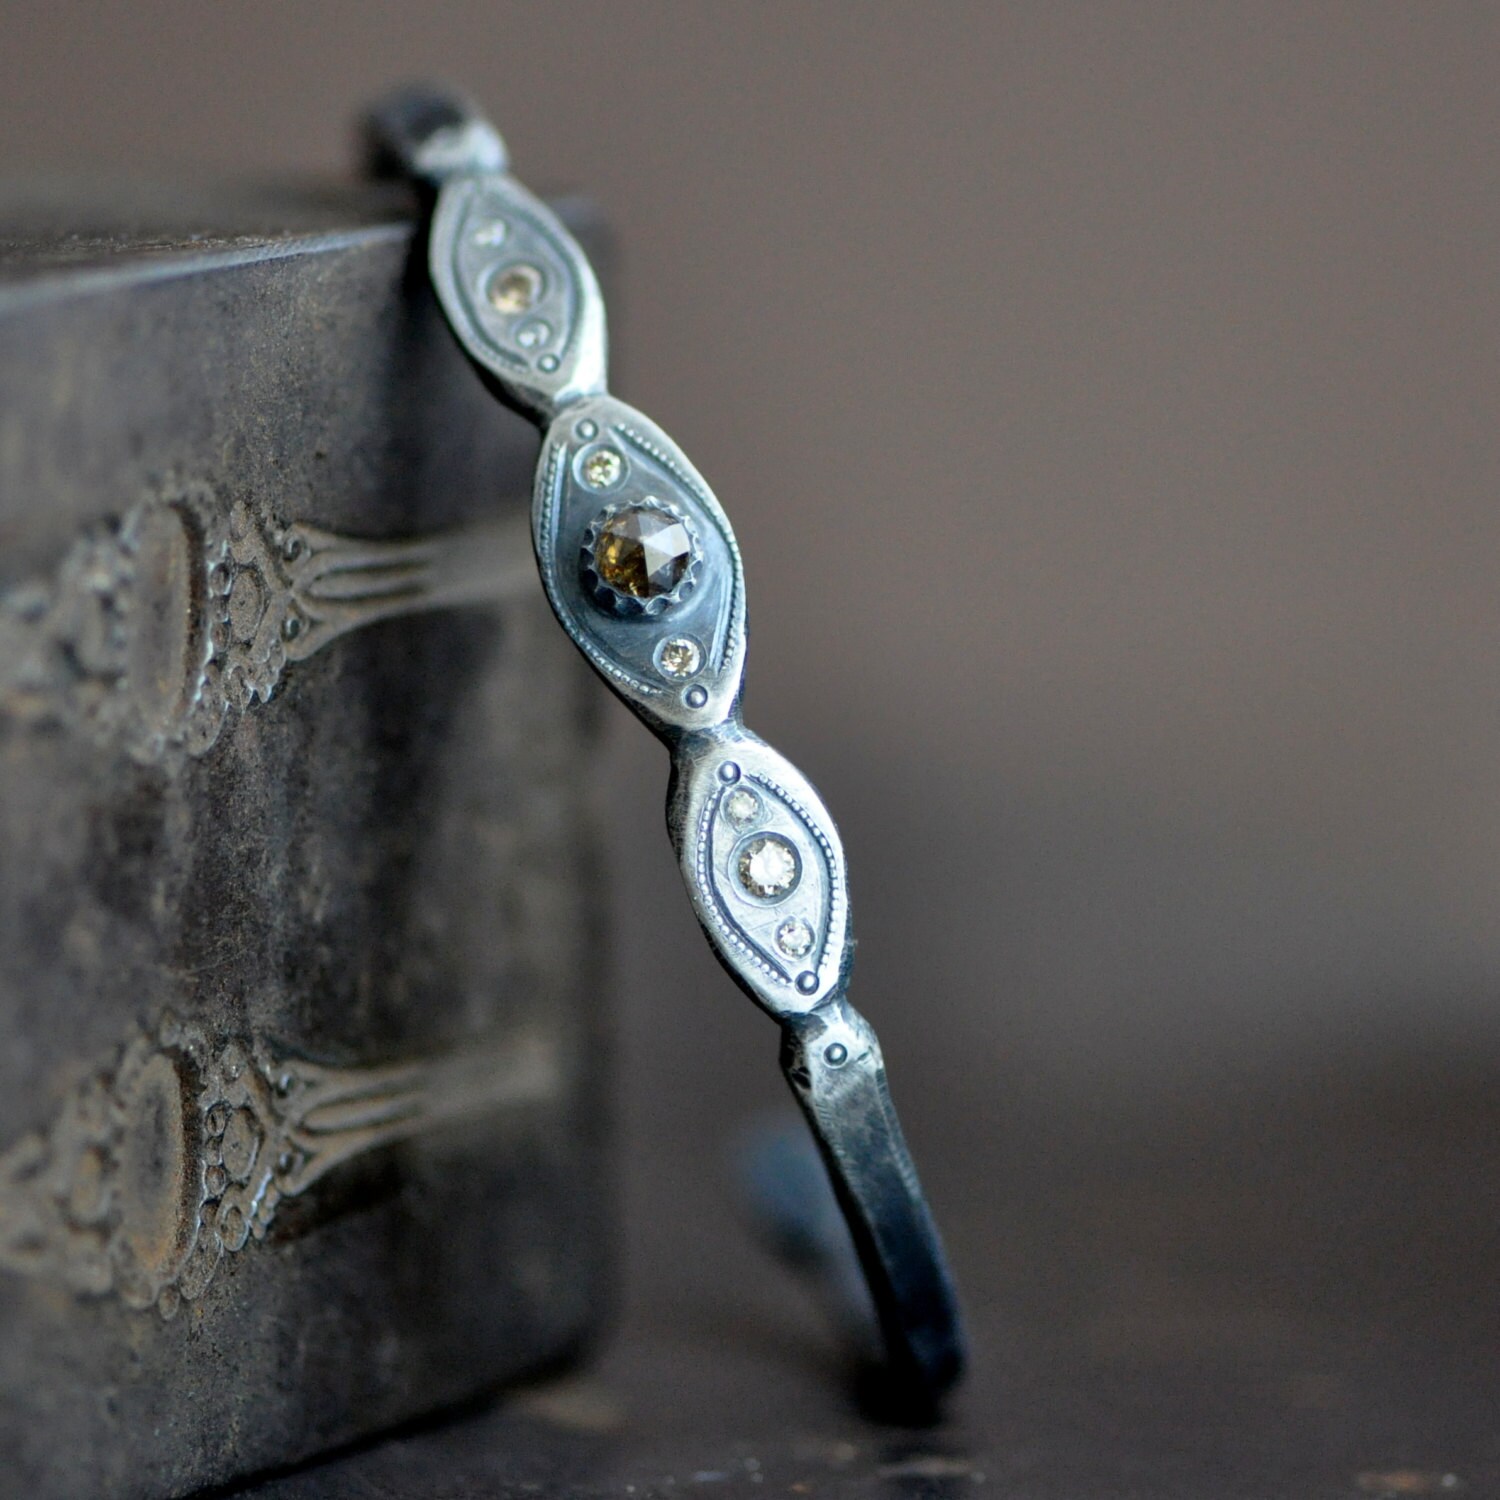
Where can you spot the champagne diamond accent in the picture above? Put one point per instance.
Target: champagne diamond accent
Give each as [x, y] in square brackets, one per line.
[795, 938]
[680, 658]
[742, 807]
[602, 469]
[769, 868]
[641, 551]
[534, 334]
[515, 289]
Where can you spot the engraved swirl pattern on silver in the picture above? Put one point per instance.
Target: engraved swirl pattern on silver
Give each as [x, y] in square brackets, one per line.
[642, 569]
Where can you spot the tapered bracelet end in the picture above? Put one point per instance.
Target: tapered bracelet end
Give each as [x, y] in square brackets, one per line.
[832, 1061]
[430, 133]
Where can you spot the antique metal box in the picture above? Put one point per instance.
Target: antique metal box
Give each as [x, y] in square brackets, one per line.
[298, 946]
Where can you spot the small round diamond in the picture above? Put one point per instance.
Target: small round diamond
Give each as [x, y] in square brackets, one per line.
[514, 289]
[533, 334]
[679, 658]
[492, 233]
[795, 938]
[742, 807]
[768, 867]
[602, 469]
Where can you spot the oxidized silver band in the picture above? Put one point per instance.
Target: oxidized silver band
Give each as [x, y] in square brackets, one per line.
[641, 566]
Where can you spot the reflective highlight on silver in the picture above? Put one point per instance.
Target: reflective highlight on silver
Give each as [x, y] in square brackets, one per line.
[158, 626]
[650, 602]
[182, 1151]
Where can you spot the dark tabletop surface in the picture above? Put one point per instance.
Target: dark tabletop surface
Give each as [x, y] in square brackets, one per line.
[1282, 1291]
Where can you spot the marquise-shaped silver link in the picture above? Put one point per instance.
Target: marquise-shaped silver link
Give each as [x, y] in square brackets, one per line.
[602, 458]
[764, 869]
[518, 292]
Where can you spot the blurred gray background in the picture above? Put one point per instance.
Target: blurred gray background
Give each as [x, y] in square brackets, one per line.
[1105, 398]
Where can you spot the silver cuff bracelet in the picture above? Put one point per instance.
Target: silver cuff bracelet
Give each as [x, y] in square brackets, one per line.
[642, 569]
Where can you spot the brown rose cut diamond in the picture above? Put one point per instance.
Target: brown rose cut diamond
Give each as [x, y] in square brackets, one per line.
[642, 553]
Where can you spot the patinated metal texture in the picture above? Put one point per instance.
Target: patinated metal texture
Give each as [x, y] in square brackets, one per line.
[299, 1130]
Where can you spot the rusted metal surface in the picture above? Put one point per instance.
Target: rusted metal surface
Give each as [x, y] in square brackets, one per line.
[299, 946]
